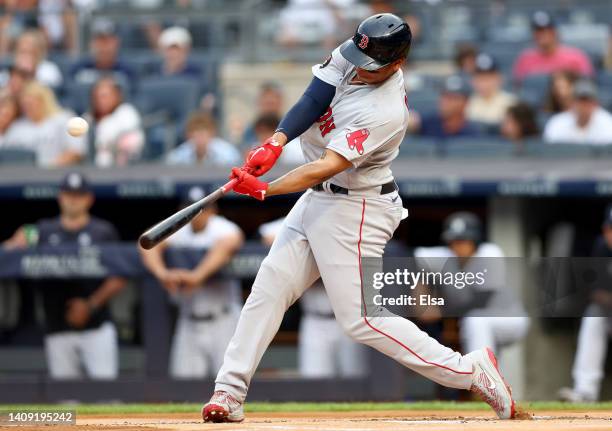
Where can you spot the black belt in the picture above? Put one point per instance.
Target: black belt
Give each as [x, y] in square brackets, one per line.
[389, 187]
[208, 317]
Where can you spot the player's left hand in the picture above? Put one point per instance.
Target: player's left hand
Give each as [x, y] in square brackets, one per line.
[78, 312]
[248, 184]
[261, 159]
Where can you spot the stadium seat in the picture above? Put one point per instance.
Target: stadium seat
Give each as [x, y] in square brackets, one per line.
[423, 101]
[477, 147]
[534, 89]
[419, 147]
[17, 156]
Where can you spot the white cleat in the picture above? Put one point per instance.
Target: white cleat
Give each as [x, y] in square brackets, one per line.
[490, 385]
[222, 407]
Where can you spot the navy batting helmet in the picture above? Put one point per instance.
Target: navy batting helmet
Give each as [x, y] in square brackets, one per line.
[462, 225]
[379, 41]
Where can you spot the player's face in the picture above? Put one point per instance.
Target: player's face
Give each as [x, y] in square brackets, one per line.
[377, 76]
[75, 204]
[463, 248]
[607, 234]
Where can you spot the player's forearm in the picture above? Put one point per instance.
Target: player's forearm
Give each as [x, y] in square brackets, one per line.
[218, 256]
[109, 288]
[308, 175]
[153, 260]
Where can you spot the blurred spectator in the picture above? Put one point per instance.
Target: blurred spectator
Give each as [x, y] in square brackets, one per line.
[32, 47]
[489, 102]
[492, 316]
[465, 58]
[585, 123]
[175, 46]
[203, 146]
[264, 127]
[270, 101]
[324, 350]
[9, 111]
[520, 123]
[15, 79]
[59, 21]
[104, 48]
[305, 22]
[17, 16]
[451, 119]
[209, 305]
[79, 333]
[549, 55]
[118, 135]
[43, 129]
[560, 91]
[589, 362]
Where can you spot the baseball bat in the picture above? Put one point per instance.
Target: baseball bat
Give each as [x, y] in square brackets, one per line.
[167, 227]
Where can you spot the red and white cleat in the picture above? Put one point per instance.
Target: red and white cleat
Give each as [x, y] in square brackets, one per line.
[222, 407]
[490, 385]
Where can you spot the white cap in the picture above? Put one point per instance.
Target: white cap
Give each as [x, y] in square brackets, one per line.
[174, 36]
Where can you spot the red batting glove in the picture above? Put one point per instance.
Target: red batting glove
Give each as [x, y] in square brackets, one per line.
[248, 184]
[261, 159]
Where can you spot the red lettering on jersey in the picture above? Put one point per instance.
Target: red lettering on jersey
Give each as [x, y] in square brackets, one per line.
[356, 139]
[327, 122]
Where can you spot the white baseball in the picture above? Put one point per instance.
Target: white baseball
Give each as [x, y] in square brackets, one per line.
[77, 126]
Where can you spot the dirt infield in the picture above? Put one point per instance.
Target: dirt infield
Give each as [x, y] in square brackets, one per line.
[346, 421]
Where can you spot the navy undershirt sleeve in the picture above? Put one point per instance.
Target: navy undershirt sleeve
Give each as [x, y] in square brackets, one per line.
[313, 103]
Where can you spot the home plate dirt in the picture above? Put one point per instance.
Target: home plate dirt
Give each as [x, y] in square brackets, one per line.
[347, 421]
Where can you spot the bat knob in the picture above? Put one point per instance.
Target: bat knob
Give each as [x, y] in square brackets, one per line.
[146, 242]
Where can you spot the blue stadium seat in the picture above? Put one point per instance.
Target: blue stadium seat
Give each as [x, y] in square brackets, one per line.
[477, 147]
[534, 89]
[17, 156]
[424, 101]
[415, 146]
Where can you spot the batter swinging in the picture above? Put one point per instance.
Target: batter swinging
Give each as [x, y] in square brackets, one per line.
[352, 119]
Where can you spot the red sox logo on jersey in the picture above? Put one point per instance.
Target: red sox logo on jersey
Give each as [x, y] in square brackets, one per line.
[356, 139]
[363, 43]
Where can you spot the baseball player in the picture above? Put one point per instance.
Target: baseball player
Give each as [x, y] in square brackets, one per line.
[324, 350]
[493, 316]
[351, 119]
[208, 306]
[81, 339]
[595, 329]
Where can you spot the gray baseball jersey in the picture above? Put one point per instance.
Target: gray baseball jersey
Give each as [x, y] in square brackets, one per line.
[364, 123]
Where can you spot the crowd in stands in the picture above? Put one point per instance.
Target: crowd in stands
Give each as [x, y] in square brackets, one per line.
[165, 106]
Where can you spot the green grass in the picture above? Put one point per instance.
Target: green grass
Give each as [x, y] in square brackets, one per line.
[84, 409]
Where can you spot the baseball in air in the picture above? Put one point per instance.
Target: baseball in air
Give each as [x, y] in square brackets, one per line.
[77, 126]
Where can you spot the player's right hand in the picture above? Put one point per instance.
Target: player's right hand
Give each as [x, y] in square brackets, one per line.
[248, 184]
[261, 159]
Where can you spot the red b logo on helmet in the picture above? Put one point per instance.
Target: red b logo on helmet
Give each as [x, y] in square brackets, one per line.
[363, 43]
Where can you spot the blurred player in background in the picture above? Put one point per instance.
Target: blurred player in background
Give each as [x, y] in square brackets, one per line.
[324, 350]
[80, 338]
[595, 330]
[493, 316]
[208, 305]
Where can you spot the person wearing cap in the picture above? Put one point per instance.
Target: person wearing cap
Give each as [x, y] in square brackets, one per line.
[80, 338]
[549, 55]
[451, 119]
[208, 304]
[489, 102]
[175, 46]
[588, 370]
[490, 314]
[585, 123]
[104, 56]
